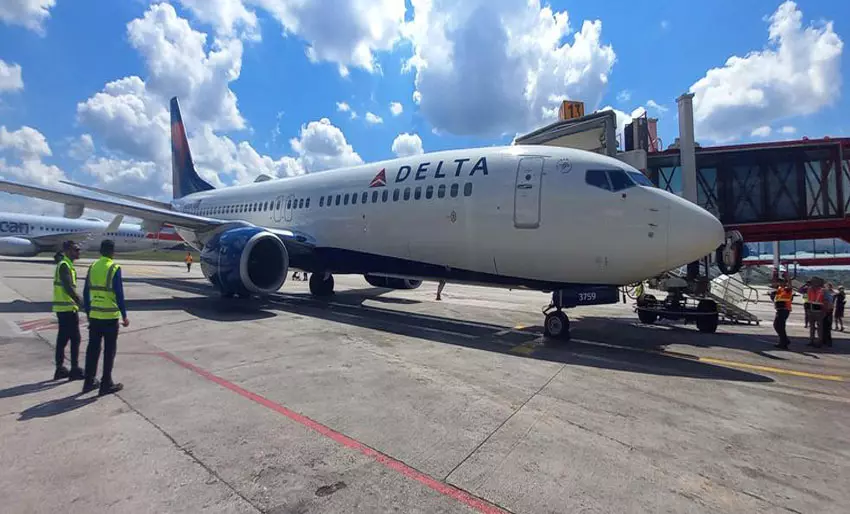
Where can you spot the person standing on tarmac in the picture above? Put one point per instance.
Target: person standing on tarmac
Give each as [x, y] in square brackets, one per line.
[104, 303]
[66, 305]
[188, 262]
[782, 301]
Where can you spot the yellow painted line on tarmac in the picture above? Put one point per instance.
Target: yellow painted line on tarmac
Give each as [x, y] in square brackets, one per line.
[722, 362]
[771, 369]
[526, 348]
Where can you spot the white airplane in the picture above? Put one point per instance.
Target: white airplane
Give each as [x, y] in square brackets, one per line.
[544, 218]
[25, 235]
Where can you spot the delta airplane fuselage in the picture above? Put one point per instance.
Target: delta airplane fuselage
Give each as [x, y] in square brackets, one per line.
[25, 235]
[537, 216]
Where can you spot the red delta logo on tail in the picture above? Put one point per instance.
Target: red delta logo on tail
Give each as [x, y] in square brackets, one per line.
[380, 179]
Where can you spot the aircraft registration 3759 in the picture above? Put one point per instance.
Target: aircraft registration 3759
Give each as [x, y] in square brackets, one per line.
[538, 217]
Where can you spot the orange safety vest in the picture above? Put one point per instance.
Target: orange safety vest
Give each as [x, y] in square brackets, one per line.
[815, 295]
[783, 298]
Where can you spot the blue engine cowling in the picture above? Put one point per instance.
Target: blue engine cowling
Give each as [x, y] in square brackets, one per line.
[245, 261]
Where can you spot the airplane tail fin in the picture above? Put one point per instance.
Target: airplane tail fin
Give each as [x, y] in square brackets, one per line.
[184, 178]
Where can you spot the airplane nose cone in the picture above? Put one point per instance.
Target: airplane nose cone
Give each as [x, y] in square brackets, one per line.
[693, 232]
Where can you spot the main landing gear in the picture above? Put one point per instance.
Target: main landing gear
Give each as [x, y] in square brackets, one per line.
[321, 284]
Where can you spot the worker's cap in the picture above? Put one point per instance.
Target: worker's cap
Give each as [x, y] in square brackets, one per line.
[70, 245]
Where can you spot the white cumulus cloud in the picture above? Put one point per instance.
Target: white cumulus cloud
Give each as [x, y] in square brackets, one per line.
[798, 73]
[407, 144]
[491, 67]
[788, 129]
[10, 77]
[321, 146]
[81, 148]
[396, 108]
[21, 153]
[761, 131]
[26, 13]
[652, 104]
[373, 118]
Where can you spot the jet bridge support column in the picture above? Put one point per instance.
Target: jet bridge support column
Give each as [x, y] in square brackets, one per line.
[687, 152]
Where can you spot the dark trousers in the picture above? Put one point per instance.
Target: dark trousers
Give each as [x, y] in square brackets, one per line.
[106, 329]
[188, 266]
[826, 337]
[779, 326]
[69, 330]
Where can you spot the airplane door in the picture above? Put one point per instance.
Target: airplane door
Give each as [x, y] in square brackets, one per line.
[527, 192]
[287, 211]
[278, 208]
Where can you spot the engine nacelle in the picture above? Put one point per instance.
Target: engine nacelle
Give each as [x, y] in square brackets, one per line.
[392, 282]
[17, 247]
[244, 261]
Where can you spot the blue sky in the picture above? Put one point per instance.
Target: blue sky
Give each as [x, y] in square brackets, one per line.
[256, 104]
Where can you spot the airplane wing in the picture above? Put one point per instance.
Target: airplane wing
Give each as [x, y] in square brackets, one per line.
[118, 206]
[134, 199]
[297, 242]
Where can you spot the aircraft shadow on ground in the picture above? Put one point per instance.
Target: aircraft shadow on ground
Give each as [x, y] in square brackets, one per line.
[661, 334]
[347, 309]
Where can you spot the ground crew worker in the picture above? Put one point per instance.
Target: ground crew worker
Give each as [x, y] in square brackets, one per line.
[440, 289]
[816, 311]
[104, 303]
[782, 301]
[188, 262]
[66, 305]
[804, 290]
[829, 305]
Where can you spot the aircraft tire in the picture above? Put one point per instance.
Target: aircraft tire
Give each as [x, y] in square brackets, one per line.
[321, 287]
[707, 323]
[556, 325]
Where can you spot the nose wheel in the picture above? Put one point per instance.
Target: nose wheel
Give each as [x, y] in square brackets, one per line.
[557, 325]
[321, 284]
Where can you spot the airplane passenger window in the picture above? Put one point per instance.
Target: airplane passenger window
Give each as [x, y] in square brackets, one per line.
[345, 199]
[301, 203]
[406, 194]
[395, 195]
[384, 195]
[338, 198]
[441, 191]
[307, 204]
[467, 189]
[289, 204]
[321, 201]
[417, 193]
[365, 197]
[354, 198]
[374, 197]
[277, 205]
[429, 192]
[454, 190]
[597, 178]
[619, 180]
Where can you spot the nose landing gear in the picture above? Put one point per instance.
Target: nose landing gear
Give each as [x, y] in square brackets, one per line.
[556, 325]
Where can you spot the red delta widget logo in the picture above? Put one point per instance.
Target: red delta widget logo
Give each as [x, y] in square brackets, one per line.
[438, 170]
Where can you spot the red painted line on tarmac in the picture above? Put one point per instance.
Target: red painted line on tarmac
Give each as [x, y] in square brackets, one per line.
[387, 461]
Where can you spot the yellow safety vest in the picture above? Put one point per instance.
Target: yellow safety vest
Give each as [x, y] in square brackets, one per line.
[62, 301]
[103, 305]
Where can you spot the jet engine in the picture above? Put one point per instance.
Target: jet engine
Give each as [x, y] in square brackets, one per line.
[17, 247]
[245, 261]
[392, 282]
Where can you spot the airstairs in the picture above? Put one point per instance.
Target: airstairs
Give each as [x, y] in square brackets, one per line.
[732, 295]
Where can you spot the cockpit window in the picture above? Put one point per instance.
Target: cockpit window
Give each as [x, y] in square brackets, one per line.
[641, 179]
[597, 178]
[615, 179]
[619, 180]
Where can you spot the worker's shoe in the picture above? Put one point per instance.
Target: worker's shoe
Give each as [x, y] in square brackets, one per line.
[60, 373]
[76, 374]
[89, 386]
[109, 389]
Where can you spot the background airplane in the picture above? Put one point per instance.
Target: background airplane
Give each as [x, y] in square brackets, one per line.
[24, 235]
[544, 218]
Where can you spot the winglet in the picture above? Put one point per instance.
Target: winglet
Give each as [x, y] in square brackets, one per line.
[113, 226]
